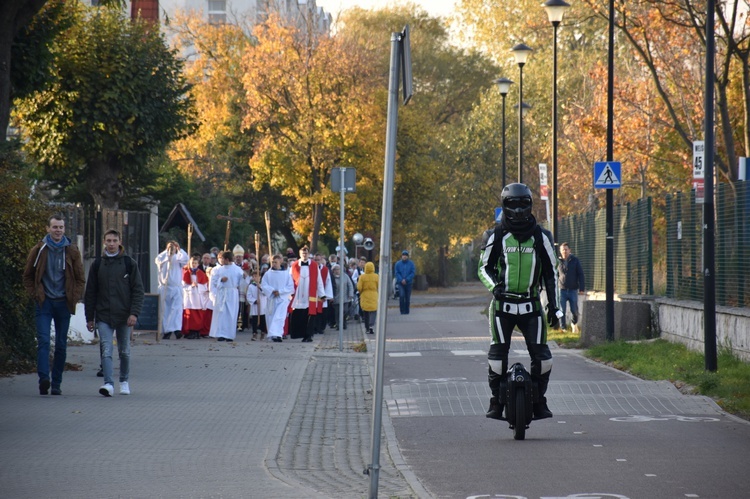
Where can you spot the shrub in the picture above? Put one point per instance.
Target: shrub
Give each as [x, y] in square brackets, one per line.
[22, 222]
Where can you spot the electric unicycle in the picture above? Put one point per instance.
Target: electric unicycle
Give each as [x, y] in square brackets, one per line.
[518, 394]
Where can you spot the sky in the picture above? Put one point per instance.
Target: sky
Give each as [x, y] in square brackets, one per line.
[433, 7]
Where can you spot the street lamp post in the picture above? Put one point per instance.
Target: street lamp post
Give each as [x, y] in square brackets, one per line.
[504, 85]
[555, 11]
[521, 53]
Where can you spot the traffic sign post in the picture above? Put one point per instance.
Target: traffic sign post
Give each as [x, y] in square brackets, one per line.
[343, 180]
[607, 175]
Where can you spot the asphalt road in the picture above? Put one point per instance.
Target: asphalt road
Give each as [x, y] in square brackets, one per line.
[613, 435]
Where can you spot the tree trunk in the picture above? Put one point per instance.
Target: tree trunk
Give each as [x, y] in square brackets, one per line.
[291, 242]
[14, 16]
[6, 39]
[104, 184]
[746, 99]
[443, 267]
[317, 213]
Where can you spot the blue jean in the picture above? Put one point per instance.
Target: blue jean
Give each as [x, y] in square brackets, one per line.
[568, 296]
[404, 297]
[106, 332]
[51, 310]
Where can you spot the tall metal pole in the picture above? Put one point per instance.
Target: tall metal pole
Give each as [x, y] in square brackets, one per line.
[385, 262]
[520, 124]
[502, 186]
[504, 87]
[553, 218]
[555, 12]
[610, 242]
[709, 277]
[342, 269]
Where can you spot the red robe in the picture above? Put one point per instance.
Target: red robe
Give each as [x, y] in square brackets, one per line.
[312, 309]
[193, 313]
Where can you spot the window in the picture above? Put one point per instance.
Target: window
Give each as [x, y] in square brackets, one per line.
[217, 11]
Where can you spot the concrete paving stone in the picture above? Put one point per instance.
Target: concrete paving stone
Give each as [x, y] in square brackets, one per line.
[205, 419]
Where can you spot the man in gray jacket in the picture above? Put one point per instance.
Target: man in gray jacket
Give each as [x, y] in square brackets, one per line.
[113, 300]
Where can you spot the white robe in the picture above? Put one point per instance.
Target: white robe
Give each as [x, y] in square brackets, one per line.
[226, 301]
[327, 285]
[169, 272]
[194, 297]
[256, 300]
[276, 306]
[302, 291]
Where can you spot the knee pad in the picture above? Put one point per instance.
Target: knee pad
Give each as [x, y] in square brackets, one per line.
[496, 366]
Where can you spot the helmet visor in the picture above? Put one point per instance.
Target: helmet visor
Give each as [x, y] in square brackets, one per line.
[517, 203]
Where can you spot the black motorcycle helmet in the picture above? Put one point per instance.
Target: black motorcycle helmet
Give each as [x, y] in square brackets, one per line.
[517, 203]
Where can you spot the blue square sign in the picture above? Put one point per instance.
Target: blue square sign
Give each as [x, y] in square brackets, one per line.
[498, 212]
[607, 175]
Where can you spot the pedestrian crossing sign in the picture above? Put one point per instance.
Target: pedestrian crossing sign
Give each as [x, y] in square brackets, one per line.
[607, 175]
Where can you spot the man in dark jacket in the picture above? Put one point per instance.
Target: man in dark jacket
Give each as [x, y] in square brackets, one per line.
[54, 277]
[570, 279]
[114, 297]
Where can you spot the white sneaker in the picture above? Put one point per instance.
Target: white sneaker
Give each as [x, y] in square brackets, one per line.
[107, 390]
[124, 388]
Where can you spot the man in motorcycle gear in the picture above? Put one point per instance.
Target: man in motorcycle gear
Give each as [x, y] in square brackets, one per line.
[517, 258]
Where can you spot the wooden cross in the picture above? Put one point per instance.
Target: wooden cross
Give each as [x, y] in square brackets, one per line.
[229, 218]
[268, 235]
[190, 240]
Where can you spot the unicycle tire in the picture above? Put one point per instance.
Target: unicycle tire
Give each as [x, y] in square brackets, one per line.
[519, 428]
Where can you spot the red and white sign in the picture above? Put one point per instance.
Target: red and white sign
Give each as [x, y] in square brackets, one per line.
[699, 171]
[543, 189]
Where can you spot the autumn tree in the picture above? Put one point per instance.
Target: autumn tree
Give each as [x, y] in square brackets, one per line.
[669, 38]
[311, 101]
[448, 81]
[116, 99]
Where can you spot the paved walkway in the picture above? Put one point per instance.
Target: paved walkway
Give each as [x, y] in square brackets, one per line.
[205, 419]
[250, 418]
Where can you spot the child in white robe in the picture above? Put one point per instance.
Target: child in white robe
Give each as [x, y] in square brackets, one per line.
[225, 284]
[277, 286]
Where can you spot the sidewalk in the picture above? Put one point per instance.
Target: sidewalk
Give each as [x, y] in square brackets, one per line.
[206, 419]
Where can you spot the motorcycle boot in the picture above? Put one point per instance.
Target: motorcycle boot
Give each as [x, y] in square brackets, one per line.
[540, 409]
[498, 391]
[496, 410]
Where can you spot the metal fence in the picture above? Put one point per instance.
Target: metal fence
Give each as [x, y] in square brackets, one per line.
[633, 247]
[684, 220]
[133, 225]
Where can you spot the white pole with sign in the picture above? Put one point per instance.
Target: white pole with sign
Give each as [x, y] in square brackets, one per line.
[544, 194]
[699, 171]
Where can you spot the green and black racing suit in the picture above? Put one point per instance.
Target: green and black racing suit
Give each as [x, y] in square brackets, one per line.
[518, 265]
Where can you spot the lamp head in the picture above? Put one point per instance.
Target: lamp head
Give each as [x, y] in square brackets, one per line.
[358, 238]
[525, 108]
[521, 53]
[555, 10]
[504, 85]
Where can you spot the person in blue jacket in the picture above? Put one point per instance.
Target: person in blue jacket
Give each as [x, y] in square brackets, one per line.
[571, 283]
[404, 274]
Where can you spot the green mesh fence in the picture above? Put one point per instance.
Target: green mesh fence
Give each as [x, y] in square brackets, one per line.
[685, 246]
[633, 247]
